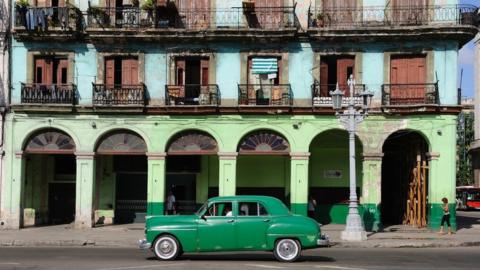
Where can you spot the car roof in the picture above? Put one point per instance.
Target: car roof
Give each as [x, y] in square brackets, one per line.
[275, 206]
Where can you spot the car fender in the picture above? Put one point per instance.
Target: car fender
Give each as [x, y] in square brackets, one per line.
[304, 229]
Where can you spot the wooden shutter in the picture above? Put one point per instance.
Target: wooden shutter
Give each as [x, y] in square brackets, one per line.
[407, 76]
[44, 71]
[343, 65]
[61, 75]
[180, 71]
[323, 78]
[204, 64]
[110, 71]
[129, 71]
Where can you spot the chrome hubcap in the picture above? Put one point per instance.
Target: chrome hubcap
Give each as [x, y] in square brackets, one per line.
[287, 249]
[166, 248]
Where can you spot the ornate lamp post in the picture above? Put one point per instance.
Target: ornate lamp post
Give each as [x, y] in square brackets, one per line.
[354, 231]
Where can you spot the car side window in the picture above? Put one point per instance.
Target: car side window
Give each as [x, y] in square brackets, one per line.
[252, 209]
[222, 209]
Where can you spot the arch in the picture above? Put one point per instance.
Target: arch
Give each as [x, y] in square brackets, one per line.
[405, 131]
[192, 142]
[358, 141]
[49, 141]
[263, 142]
[121, 142]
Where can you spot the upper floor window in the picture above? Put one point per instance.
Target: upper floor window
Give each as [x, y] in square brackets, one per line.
[51, 70]
[121, 70]
[335, 69]
[264, 70]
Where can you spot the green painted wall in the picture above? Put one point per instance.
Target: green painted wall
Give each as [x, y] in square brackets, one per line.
[263, 171]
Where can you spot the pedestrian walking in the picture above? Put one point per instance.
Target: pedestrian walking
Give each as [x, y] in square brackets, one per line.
[446, 217]
[171, 203]
[312, 206]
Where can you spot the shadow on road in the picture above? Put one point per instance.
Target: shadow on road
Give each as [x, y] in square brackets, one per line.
[245, 257]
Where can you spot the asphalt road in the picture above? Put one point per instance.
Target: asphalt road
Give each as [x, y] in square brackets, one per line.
[334, 259]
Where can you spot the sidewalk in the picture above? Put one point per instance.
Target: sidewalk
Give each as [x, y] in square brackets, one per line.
[468, 234]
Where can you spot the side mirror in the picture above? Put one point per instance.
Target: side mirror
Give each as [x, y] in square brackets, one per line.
[203, 217]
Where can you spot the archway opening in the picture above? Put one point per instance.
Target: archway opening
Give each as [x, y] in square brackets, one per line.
[404, 179]
[50, 177]
[329, 180]
[191, 171]
[263, 165]
[121, 179]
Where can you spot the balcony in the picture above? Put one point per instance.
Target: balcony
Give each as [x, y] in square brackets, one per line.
[265, 95]
[48, 23]
[192, 95]
[171, 23]
[394, 22]
[59, 94]
[321, 94]
[119, 95]
[410, 94]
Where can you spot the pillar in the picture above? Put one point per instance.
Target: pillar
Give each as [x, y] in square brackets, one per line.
[299, 182]
[371, 191]
[11, 193]
[227, 183]
[156, 183]
[85, 182]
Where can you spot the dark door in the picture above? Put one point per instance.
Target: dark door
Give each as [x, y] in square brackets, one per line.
[408, 77]
[131, 197]
[61, 203]
[183, 186]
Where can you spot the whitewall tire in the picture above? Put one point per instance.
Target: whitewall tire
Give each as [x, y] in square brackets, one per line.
[287, 250]
[166, 248]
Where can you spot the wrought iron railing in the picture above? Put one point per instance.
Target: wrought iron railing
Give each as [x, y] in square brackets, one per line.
[271, 18]
[48, 93]
[321, 94]
[265, 94]
[192, 94]
[104, 94]
[47, 18]
[362, 17]
[410, 94]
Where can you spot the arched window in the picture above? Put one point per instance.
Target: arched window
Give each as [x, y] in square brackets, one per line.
[193, 143]
[122, 143]
[50, 142]
[264, 143]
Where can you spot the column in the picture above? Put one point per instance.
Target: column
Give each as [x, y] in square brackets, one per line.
[84, 190]
[438, 187]
[371, 191]
[11, 192]
[156, 183]
[299, 182]
[227, 183]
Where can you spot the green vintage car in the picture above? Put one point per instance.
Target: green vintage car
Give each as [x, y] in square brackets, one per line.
[236, 223]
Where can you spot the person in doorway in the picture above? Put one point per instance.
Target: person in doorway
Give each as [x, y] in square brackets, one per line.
[171, 209]
[446, 217]
[312, 206]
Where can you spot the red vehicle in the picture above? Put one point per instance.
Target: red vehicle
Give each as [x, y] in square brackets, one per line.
[468, 197]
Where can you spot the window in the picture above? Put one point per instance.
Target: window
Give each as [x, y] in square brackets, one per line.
[121, 70]
[264, 70]
[252, 209]
[51, 70]
[223, 209]
[333, 70]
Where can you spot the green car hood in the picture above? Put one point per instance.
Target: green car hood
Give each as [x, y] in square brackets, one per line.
[170, 222]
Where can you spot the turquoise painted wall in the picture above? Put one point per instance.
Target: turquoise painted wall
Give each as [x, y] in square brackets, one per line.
[228, 64]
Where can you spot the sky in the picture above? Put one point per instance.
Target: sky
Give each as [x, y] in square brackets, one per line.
[466, 59]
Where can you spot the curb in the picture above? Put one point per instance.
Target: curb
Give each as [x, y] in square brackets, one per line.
[373, 244]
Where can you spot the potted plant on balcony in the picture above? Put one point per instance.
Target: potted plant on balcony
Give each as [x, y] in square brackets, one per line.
[321, 19]
[149, 7]
[99, 15]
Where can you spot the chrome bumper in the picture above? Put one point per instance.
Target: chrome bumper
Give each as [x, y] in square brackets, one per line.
[323, 241]
[143, 244]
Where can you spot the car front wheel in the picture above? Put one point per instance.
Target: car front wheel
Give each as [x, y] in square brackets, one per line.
[166, 247]
[287, 250]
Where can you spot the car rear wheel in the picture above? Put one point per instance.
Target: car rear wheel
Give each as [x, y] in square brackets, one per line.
[287, 250]
[166, 248]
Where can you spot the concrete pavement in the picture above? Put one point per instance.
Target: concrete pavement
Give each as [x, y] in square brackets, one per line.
[468, 234]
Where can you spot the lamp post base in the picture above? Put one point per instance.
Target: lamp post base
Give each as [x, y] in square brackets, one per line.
[354, 236]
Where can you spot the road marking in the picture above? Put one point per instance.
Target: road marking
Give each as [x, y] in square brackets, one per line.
[143, 266]
[265, 266]
[337, 267]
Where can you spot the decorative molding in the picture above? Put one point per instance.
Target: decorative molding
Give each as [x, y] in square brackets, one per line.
[227, 155]
[156, 155]
[300, 155]
[19, 154]
[85, 155]
[433, 156]
[372, 156]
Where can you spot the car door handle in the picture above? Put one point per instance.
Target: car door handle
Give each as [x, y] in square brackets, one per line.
[266, 220]
[230, 221]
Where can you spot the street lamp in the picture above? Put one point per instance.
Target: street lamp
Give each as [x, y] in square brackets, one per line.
[354, 231]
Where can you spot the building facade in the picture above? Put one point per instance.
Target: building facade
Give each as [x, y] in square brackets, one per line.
[475, 146]
[117, 103]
